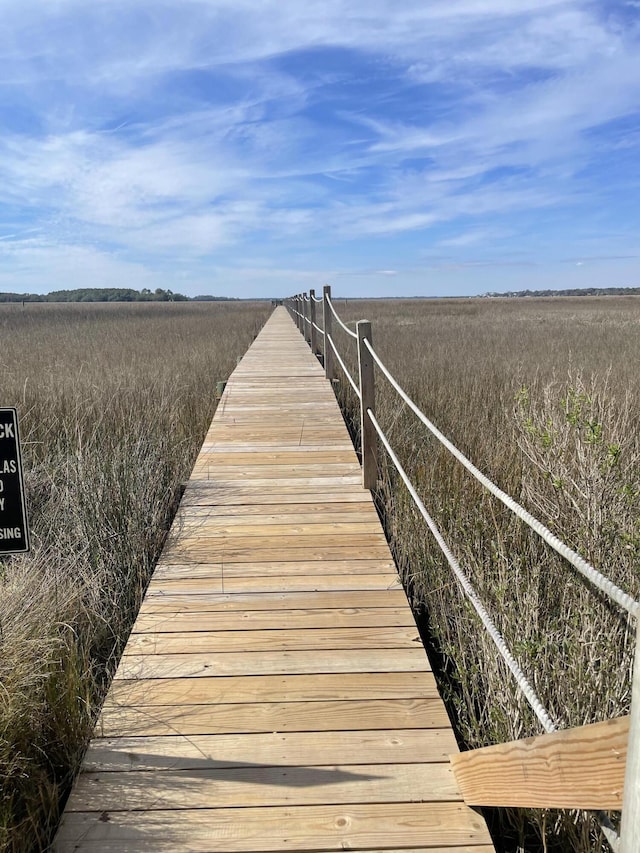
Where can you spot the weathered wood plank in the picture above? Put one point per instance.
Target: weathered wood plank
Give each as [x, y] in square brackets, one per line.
[393, 826]
[199, 552]
[178, 570]
[230, 584]
[272, 716]
[212, 528]
[273, 688]
[273, 601]
[201, 642]
[266, 621]
[257, 785]
[203, 665]
[393, 746]
[325, 513]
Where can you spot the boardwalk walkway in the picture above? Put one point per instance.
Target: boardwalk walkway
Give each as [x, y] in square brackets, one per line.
[274, 694]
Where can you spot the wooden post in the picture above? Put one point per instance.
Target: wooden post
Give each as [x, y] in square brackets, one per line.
[630, 826]
[307, 318]
[300, 309]
[368, 435]
[329, 360]
[313, 335]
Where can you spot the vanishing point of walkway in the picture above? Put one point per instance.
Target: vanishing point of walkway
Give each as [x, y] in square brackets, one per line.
[274, 694]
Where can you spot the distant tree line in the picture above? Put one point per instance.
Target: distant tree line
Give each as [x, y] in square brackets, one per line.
[574, 291]
[108, 294]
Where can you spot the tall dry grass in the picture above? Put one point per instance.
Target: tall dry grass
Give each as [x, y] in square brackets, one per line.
[114, 402]
[543, 395]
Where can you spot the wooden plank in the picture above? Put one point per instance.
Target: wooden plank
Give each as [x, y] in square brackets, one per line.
[265, 621]
[276, 482]
[295, 749]
[216, 528]
[199, 552]
[273, 688]
[266, 569]
[215, 454]
[273, 601]
[228, 583]
[280, 513]
[209, 493]
[257, 785]
[203, 665]
[256, 717]
[202, 642]
[295, 828]
[306, 473]
[580, 768]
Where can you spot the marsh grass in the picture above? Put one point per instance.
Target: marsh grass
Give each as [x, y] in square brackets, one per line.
[543, 395]
[114, 402]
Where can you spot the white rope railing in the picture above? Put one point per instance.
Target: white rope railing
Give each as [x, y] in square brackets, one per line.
[600, 581]
[339, 321]
[522, 681]
[343, 366]
[318, 329]
[538, 708]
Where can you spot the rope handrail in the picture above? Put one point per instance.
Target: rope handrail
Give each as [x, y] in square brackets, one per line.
[340, 323]
[318, 329]
[317, 298]
[534, 701]
[600, 581]
[343, 366]
[521, 680]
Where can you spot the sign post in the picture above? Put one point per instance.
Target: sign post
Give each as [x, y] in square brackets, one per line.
[14, 529]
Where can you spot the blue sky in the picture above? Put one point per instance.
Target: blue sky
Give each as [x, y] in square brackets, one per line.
[262, 147]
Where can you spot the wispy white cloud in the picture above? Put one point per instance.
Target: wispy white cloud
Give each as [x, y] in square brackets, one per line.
[211, 129]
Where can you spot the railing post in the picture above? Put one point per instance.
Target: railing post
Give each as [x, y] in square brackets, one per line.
[630, 826]
[313, 335]
[368, 435]
[329, 361]
[307, 318]
[300, 308]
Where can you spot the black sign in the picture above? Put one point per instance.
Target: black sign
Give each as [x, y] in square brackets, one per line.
[14, 532]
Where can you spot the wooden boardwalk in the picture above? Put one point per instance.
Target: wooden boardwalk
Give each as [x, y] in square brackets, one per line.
[274, 694]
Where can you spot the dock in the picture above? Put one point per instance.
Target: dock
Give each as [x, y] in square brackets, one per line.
[274, 694]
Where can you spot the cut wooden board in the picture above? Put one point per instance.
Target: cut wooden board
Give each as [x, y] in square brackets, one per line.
[578, 768]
